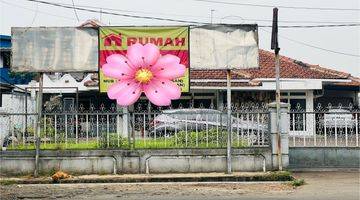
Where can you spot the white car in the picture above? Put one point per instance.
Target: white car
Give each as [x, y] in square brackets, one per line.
[190, 119]
[339, 118]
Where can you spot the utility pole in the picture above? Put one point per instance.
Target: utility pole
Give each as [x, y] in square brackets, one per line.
[38, 125]
[228, 102]
[275, 47]
[211, 15]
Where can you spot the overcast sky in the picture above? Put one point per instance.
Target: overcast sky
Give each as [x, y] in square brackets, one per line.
[340, 39]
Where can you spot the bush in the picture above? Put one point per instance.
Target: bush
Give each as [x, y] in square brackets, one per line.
[200, 138]
[298, 182]
[114, 141]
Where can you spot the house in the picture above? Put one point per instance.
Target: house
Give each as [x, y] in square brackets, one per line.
[11, 95]
[304, 86]
[301, 84]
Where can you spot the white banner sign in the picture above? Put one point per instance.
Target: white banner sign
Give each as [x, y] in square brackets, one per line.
[54, 49]
[224, 47]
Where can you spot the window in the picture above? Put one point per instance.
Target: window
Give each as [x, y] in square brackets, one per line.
[297, 94]
[298, 117]
[69, 104]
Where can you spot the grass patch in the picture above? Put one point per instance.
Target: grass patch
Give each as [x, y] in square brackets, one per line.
[200, 139]
[297, 182]
[59, 146]
[7, 182]
[279, 176]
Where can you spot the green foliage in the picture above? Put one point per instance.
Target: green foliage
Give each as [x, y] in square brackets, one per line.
[49, 132]
[7, 182]
[298, 182]
[112, 140]
[192, 139]
[200, 138]
[279, 176]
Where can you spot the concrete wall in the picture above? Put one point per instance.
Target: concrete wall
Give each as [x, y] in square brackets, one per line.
[15, 103]
[324, 157]
[135, 161]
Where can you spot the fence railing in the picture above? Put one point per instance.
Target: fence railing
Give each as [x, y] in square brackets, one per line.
[173, 128]
[176, 128]
[325, 127]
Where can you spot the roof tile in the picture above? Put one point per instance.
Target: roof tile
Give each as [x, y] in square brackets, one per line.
[289, 68]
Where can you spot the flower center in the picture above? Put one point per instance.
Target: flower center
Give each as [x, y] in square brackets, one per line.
[143, 75]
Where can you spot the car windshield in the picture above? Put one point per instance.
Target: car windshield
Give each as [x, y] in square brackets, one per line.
[188, 111]
[193, 114]
[210, 115]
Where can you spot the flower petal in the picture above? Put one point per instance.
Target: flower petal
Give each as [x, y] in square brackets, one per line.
[165, 60]
[143, 56]
[129, 97]
[167, 87]
[119, 72]
[156, 96]
[171, 71]
[116, 59]
[151, 54]
[135, 53]
[117, 89]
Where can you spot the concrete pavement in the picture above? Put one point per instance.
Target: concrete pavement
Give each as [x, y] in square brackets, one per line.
[319, 186]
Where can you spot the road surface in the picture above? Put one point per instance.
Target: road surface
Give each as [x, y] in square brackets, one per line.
[319, 185]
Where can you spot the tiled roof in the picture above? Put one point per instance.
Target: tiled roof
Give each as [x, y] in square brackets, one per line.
[354, 82]
[223, 84]
[289, 68]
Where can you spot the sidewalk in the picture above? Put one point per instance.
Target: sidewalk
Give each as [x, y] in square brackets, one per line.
[135, 178]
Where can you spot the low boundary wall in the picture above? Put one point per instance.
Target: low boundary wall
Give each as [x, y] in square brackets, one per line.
[135, 161]
[302, 158]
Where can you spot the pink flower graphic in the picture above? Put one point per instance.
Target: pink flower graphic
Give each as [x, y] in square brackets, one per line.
[143, 69]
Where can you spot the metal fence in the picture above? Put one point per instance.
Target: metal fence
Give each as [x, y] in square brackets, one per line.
[332, 126]
[142, 128]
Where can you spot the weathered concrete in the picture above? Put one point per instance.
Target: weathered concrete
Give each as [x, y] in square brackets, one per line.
[319, 186]
[283, 131]
[135, 161]
[173, 177]
[324, 157]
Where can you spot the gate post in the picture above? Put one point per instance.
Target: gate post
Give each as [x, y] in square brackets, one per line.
[284, 134]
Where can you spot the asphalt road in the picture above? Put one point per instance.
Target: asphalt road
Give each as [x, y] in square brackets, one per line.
[319, 185]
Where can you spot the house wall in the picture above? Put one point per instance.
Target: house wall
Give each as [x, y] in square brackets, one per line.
[15, 103]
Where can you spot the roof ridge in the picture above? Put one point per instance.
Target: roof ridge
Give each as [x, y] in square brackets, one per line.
[330, 71]
[313, 67]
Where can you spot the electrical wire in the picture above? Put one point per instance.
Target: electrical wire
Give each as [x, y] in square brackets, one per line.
[314, 26]
[117, 14]
[313, 46]
[195, 22]
[200, 16]
[33, 10]
[35, 15]
[73, 4]
[279, 6]
[177, 20]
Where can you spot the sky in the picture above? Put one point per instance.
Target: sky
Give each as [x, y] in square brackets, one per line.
[298, 43]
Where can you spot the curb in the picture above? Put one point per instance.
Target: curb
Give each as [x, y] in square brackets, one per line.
[266, 177]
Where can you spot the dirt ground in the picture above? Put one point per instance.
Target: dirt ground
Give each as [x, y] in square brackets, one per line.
[319, 185]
